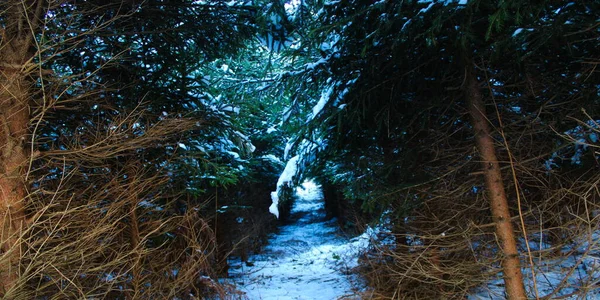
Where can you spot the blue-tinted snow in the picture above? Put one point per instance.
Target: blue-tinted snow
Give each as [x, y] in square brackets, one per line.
[288, 148]
[311, 66]
[272, 158]
[147, 204]
[291, 7]
[307, 259]
[550, 274]
[325, 96]
[235, 155]
[405, 24]
[520, 30]
[230, 108]
[284, 179]
[273, 208]
[424, 10]
[517, 31]
[581, 138]
[574, 274]
[446, 2]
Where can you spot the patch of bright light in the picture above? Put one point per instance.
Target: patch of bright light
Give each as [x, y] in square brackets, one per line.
[291, 6]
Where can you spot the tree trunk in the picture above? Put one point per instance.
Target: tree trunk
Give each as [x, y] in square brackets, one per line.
[14, 120]
[513, 278]
[134, 231]
[16, 40]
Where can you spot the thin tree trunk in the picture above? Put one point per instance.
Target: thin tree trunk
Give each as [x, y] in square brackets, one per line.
[14, 120]
[130, 191]
[135, 242]
[513, 278]
[16, 40]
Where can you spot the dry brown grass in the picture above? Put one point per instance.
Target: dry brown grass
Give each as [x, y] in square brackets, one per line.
[105, 218]
[104, 223]
[445, 247]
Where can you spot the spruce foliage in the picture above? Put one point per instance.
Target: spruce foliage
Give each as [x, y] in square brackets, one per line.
[399, 140]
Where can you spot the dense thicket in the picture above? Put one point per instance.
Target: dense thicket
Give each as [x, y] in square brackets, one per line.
[140, 141]
[396, 80]
[134, 173]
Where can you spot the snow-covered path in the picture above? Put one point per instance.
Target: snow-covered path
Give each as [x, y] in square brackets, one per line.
[305, 260]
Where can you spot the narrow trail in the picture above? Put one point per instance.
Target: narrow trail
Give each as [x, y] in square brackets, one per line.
[307, 259]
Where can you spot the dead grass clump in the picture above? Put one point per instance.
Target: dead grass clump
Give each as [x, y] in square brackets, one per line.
[444, 243]
[107, 222]
[436, 254]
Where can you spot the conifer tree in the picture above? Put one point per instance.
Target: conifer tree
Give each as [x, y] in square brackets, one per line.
[399, 139]
[110, 96]
[20, 20]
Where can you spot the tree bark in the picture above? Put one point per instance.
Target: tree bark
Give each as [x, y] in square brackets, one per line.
[16, 41]
[136, 271]
[513, 278]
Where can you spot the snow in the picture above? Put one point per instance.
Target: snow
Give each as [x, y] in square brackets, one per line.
[329, 45]
[272, 158]
[234, 154]
[241, 135]
[288, 148]
[520, 30]
[567, 276]
[580, 139]
[307, 259]
[517, 31]
[245, 141]
[108, 277]
[147, 204]
[325, 96]
[327, 93]
[446, 2]
[273, 208]
[551, 274]
[405, 24]
[291, 7]
[288, 172]
[424, 10]
[225, 68]
[311, 66]
[286, 114]
[231, 108]
[284, 179]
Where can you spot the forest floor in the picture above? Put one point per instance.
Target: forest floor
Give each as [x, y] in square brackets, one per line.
[307, 259]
